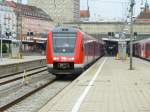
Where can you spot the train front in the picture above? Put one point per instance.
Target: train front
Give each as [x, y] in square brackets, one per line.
[64, 54]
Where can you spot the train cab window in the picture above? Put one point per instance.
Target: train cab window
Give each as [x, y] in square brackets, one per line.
[64, 43]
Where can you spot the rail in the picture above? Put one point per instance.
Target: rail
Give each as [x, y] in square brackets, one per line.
[20, 76]
[10, 104]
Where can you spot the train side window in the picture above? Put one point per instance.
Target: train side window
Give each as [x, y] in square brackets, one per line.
[142, 47]
[149, 47]
[83, 43]
[82, 46]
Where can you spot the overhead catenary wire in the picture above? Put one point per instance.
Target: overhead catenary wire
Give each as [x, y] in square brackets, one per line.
[109, 1]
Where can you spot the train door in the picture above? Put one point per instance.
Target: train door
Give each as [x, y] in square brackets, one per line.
[147, 52]
[142, 50]
[139, 48]
[85, 38]
[93, 50]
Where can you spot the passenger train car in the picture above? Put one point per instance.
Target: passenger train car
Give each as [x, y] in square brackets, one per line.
[69, 50]
[142, 48]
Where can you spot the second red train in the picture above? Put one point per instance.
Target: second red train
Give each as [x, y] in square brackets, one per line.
[142, 48]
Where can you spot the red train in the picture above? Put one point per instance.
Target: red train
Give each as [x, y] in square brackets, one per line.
[142, 48]
[69, 50]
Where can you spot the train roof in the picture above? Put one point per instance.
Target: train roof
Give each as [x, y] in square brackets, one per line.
[72, 30]
[142, 41]
[65, 29]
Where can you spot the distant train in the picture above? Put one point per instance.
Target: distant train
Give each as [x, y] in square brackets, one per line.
[142, 48]
[69, 50]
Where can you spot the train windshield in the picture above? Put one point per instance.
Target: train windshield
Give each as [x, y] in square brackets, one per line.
[64, 43]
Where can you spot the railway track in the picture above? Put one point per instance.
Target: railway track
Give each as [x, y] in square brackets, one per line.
[13, 74]
[12, 84]
[19, 99]
[40, 98]
[14, 77]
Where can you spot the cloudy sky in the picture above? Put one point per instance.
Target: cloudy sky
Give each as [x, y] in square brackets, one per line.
[109, 8]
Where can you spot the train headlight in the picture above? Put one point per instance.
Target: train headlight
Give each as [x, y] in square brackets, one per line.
[55, 58]
[72, 59]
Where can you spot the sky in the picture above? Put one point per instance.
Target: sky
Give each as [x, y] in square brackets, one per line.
[109, 9]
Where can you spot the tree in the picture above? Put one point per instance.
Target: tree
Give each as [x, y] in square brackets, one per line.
[4, 48]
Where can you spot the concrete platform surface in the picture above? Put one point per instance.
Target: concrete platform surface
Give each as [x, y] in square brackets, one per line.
[108, 86]
[7, 61]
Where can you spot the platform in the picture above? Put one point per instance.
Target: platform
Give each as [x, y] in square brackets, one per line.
[6, 61]
[10, 66]
[107, 86]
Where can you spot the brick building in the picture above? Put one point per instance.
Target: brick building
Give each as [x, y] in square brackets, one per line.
[32, 21]
[144, 15]
[84, 15]
[60, 10]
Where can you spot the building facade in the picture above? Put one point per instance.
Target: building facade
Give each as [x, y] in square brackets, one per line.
[84, 15]
[26, 23]
[60, 10]
[7, 21]
[32, 22]
[144, 16]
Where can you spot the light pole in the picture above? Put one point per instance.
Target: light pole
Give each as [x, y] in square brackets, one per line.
[131, 34]
[1, 43]
[1, 48]
[19, 28]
